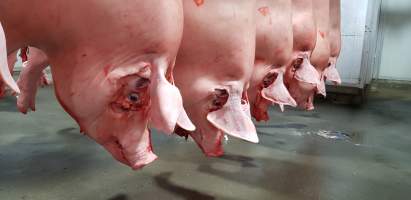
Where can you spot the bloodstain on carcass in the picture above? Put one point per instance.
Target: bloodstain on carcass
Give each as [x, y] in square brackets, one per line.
[23, 54]
[322, 34]
[199, 2]
[264, 10]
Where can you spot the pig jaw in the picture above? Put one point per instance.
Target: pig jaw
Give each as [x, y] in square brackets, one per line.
[210, 144]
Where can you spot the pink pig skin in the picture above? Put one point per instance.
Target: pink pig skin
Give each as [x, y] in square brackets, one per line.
[274, 45]
[321, 54]
[301, 77]
[331, 72]
[30, 79]
[109, 60]
[213, 67]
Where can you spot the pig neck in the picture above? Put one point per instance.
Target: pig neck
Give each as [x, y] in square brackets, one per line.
[322, 13]
[304, 26]
[321, 54]
[283, 31]
[20, 28]
[335, 27]
[335, 14]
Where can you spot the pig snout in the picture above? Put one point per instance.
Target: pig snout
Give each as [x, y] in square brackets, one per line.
[132, 150]
[137, 150]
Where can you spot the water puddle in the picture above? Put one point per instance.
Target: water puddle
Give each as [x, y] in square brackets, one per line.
[354, 138]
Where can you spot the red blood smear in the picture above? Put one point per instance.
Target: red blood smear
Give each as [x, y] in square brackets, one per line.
[199, 2]
[23, 54]
[264, 10]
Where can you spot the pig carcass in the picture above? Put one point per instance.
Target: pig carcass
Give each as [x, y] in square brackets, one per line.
[331, 72]
[212, 70]
[274, 46]
[111, 64]
[301, 77]
[321, 54]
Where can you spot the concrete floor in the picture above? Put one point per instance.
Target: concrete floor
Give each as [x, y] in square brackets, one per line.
[43, 156]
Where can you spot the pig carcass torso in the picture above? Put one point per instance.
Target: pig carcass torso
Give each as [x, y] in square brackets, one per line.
[109, 63]
[213, 67]
[301, 77]
[274, 46]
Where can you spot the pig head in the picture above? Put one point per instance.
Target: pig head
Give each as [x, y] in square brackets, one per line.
[212, 69]
[274, 45]
[112, 68]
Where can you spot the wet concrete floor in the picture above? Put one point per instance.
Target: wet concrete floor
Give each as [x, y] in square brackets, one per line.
[337, 152]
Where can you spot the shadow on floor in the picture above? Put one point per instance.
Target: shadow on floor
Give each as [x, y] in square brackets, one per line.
[163, 181]
[8, 104]
[41, 156]
[119, 197]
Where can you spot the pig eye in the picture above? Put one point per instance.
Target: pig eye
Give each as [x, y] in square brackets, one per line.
[329, 64]
[269, 79]
[297, 63]
[133, 97]
[219, 100]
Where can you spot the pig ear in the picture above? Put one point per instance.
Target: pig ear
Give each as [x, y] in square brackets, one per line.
[331, 73]
[321, 88]
[233, 120]
[278, 93]
[166, 102]
[4, 67]
[307, 73]
[184, 121]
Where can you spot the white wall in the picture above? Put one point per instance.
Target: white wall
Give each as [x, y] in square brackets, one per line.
[353, 19]
[396, 52]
